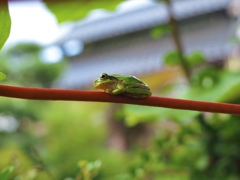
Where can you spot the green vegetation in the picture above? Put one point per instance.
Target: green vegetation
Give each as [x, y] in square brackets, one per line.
[5, 25]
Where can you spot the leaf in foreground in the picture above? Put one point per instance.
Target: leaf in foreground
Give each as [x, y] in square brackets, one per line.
[74, 10]
[5, 22]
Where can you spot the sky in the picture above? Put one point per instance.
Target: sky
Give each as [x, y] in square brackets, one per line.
[32, 22]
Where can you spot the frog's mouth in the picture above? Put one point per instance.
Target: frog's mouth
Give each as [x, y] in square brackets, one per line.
[96, 83]
[99, 85]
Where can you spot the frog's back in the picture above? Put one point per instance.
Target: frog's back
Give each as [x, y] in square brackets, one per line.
[128, 79]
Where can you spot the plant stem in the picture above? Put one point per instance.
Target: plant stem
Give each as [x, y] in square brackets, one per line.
[177, 40]
[81, 95]
[41, 163]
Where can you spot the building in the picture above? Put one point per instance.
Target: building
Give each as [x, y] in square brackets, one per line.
[122, 42]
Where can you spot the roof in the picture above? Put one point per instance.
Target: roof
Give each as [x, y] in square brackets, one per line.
[117, 24]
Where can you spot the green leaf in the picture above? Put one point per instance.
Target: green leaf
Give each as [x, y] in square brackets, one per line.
[5, 173]
[195, 58]
[5, 22]
[2, 76]
[172, 58]
[73, 10]
[159, 31]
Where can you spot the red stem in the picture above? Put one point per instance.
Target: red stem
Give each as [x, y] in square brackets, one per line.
[80, 95]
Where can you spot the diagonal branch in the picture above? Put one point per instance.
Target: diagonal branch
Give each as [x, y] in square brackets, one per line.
[177, 40]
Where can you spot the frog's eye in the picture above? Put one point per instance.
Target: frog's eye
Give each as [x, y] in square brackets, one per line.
[104, 75]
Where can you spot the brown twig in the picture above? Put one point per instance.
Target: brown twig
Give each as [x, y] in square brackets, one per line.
[177, 40]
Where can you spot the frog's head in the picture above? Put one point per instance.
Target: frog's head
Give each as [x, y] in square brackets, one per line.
[104, 81]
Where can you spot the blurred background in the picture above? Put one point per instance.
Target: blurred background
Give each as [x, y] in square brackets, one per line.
[180, 48]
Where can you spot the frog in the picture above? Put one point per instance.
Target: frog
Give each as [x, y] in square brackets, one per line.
[120, 84]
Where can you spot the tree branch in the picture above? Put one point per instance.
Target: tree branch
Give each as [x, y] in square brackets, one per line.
[81, 95]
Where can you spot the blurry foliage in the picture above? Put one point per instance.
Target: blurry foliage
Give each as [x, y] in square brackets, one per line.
[212, 84]
[89, 170]
[22, 167]
[193, 59]
[5, 173]
[21, 109]
[221, 145]
[23, 65]
[209, 84]
[5, 23]
[134, 114]
[62, 142]
[159, 31]
[172, 58]
[2, 76]
[78, 9]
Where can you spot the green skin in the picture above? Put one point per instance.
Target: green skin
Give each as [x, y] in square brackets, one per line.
[116, 84]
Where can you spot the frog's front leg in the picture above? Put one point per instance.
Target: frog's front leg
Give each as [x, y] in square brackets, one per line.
[119, 89]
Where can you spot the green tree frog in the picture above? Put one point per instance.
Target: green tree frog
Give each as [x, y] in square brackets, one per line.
[122, 84]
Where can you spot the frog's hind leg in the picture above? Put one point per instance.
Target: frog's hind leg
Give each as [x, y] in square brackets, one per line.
[138, 92]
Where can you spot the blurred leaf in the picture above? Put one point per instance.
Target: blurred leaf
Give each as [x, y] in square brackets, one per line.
[195, 58]
[2, 76]
[89, 170]
[4, 174]
[158, 31]
[171, 58]
[74, 10]
[138, 114]
[5, 23]
[206, 78]
[225, 90]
